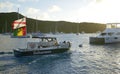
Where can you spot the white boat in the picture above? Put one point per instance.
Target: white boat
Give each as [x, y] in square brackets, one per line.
[110, 35]
[45, 45]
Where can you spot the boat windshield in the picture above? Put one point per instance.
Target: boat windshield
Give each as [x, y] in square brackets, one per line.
[51, 39]
[103, 34]
[48, 39]
[110, 34]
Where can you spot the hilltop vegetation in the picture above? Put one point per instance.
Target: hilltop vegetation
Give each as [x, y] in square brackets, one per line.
[34, 25]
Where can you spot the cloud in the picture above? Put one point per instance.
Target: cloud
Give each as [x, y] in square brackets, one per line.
[104, 11]
[32, 11]
[36, 13]
[40, 14]
[44, 16]
[8, 6]
[28, 0]
[54, 8]
[98, 1]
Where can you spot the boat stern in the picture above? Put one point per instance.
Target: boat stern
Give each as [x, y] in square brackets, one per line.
[20, 52]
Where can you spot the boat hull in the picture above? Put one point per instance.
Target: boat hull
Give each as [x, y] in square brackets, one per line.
[96, 40]
[18, 53]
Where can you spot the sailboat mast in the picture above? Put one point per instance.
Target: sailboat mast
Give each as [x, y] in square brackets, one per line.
[56, 27]
[18, 13]
[77, 29]
[26, 24]
[36, 25]
[5, 26]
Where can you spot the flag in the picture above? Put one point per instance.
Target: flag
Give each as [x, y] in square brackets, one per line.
[19, 27]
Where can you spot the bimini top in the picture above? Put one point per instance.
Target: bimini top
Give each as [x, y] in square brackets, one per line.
[47, 39]
[42, 37]
[113, 25]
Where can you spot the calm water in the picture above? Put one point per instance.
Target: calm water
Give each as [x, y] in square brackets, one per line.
[89, 59]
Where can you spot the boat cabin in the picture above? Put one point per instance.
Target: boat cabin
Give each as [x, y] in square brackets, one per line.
[111, 29]
[43, 42]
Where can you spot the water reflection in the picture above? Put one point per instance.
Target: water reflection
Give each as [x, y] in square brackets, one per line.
[89, 59]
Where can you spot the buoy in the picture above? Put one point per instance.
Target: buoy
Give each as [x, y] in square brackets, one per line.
[80, 45]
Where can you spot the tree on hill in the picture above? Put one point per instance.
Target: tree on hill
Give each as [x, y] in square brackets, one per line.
[6, 20]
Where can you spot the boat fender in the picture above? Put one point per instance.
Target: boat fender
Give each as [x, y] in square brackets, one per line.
[32, 45]
[80, 45]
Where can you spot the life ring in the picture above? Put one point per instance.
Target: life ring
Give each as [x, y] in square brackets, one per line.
[32, 45]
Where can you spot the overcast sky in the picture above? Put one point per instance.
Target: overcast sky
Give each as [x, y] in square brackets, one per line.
[99, 11]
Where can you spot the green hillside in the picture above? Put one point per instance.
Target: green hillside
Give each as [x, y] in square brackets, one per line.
[33, 25]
